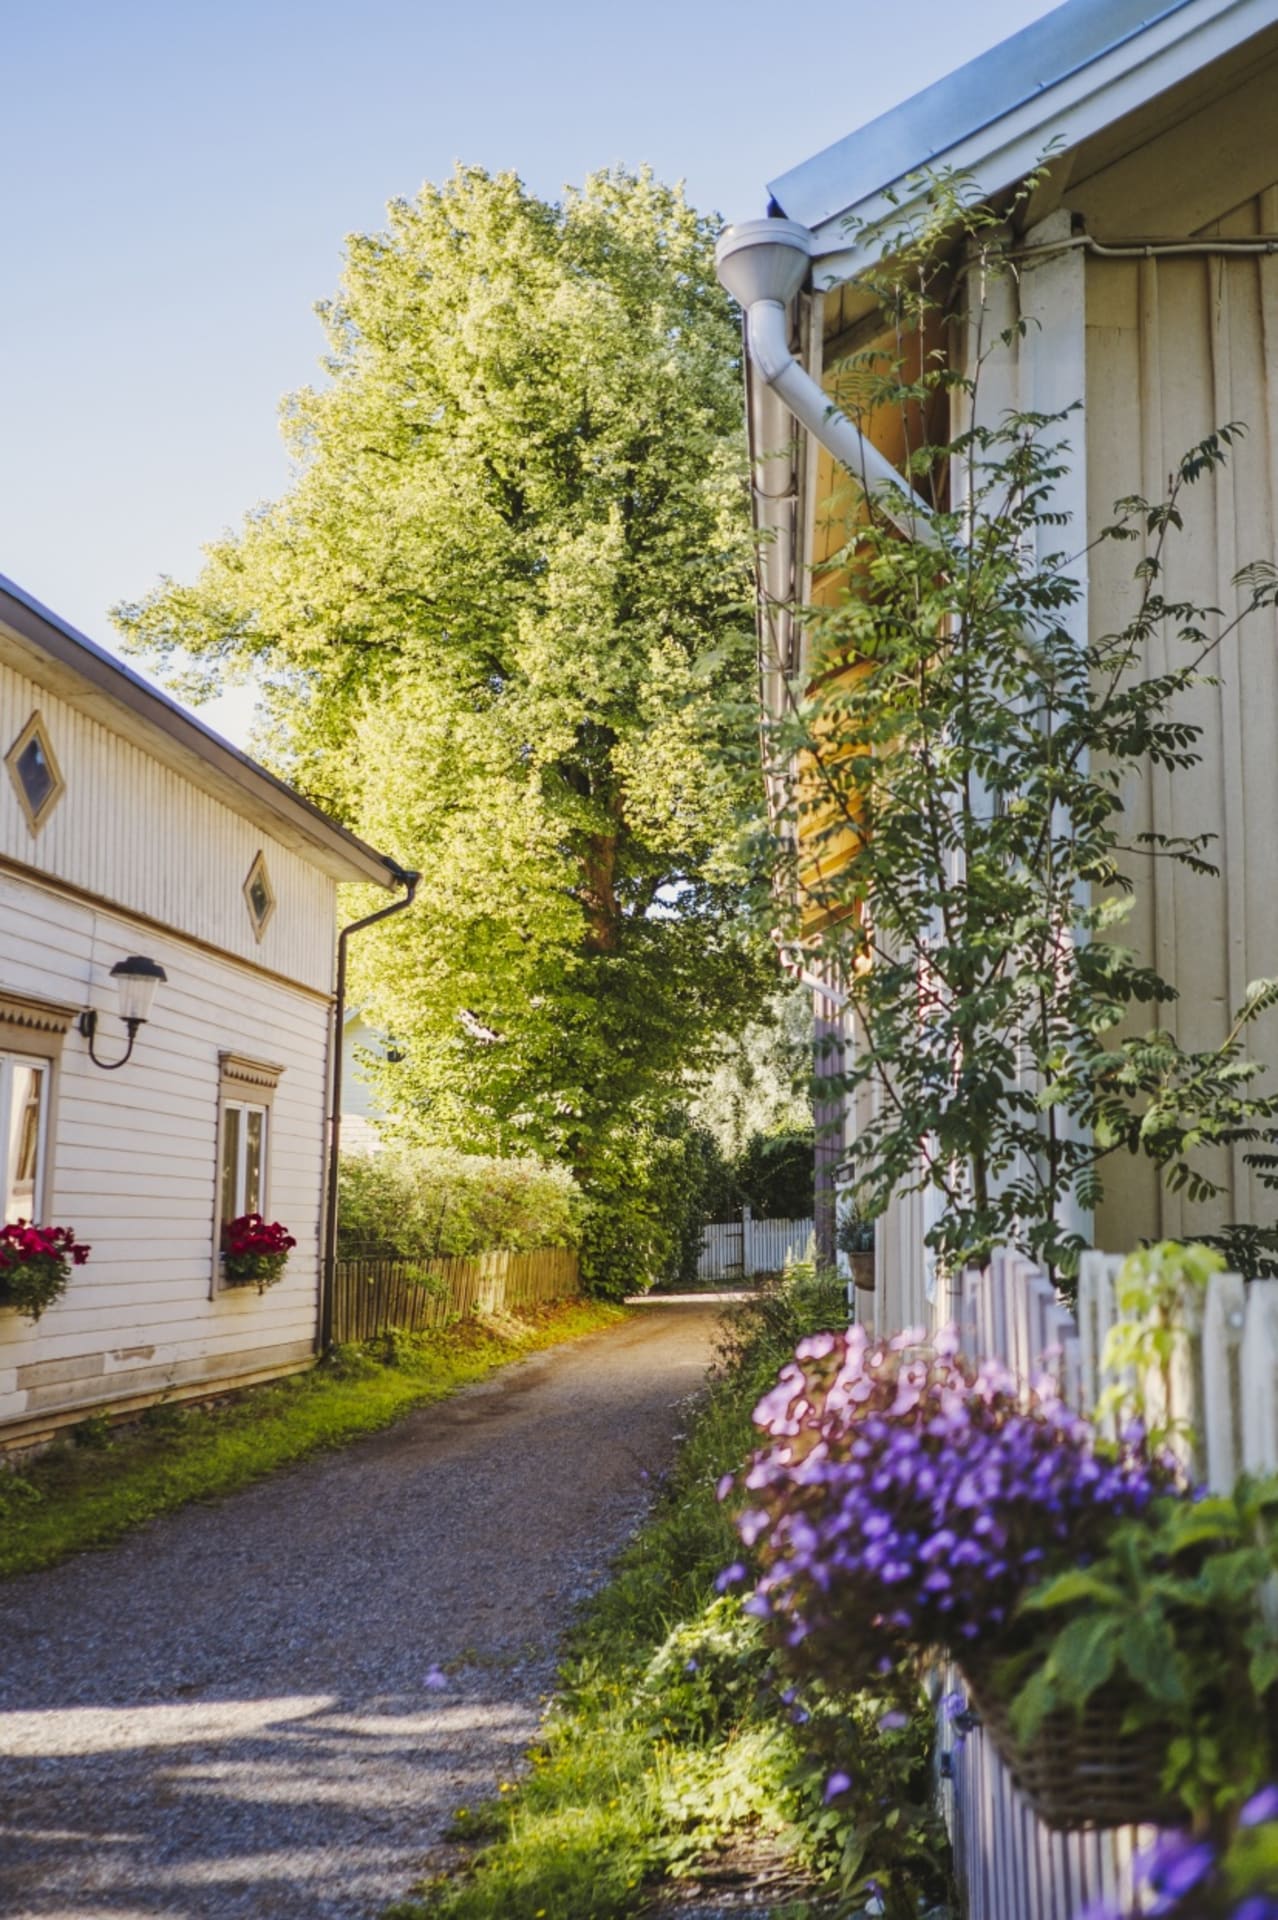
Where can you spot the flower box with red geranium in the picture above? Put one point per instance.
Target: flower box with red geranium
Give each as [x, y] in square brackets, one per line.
[254, 1251]
[35, 1265]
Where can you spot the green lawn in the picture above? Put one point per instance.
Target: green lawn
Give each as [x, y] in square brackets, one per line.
[93, 1486]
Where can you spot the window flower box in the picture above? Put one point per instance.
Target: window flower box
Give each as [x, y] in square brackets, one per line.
[254, 1251]
[35, 1265]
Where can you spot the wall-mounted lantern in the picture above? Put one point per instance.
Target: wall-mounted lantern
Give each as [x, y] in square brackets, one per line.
[137, 979]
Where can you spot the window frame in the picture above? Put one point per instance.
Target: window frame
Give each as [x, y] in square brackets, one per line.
[244, 1085]
[34, 1029]
[35, 816]
[260, 871]
[10, 1057]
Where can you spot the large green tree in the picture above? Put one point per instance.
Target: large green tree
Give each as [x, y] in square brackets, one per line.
[503, 622]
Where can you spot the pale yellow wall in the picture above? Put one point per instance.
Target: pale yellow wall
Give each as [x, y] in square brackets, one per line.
[1176, 347]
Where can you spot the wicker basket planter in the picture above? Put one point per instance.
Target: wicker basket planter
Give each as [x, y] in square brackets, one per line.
[1081, 1770]
[862, 1265]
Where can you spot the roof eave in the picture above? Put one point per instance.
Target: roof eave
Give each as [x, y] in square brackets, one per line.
[1007, 147]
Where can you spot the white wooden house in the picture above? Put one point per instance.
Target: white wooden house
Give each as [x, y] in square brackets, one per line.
[129, 829]
[1146, 273]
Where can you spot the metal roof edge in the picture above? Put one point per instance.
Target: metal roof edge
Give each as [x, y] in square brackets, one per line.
[49, 634]
[958, 118]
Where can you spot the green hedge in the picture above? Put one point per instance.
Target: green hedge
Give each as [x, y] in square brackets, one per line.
[429, 1203]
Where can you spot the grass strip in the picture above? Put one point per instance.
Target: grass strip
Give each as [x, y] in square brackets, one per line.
[673, 1741]
[101, 1481]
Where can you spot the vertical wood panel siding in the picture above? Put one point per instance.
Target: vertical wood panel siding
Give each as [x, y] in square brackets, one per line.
[144, 837]
[1177, 347]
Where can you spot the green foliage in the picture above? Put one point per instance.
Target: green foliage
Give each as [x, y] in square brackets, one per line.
[966, 739]
[775, 1174]
[1159, 1294]
[503, 620]
[1178, 1612]
[70, 1498]
[644, 1219]
[669, 1741]
[761, 1078]
[431, 1202]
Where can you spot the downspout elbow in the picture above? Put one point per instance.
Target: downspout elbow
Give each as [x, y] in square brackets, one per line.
[763, 264]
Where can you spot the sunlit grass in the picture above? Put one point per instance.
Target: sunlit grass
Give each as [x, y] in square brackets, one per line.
[88, 1494]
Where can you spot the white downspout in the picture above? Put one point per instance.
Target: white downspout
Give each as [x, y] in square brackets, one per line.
[763, 264]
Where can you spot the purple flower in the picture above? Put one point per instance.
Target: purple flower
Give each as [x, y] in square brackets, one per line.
[903, 1498]
[436, 1679]
[894, 1721]
[1261, 1807]
[730, 1577]
[837, 1784]
[1179, 1863]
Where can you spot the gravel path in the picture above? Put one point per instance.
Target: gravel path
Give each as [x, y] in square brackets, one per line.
[236, 1712]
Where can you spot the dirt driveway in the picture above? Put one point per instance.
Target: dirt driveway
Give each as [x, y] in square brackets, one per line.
[238, 1711]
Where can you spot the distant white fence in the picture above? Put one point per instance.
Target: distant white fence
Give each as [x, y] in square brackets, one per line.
[739, 1249]
[1225, 1388]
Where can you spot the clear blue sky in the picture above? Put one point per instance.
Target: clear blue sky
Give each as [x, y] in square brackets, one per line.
[179, 176]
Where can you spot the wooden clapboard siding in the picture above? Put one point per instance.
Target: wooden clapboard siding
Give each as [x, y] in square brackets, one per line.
[132, 1164]
[1177, 347]
[136, 833]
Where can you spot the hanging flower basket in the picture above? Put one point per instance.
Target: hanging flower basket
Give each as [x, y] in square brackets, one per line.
[35, 1265]
[862, 1265]
[254, 1251]
[1080, 1769]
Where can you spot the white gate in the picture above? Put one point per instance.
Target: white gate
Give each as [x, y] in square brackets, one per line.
[740, 1249]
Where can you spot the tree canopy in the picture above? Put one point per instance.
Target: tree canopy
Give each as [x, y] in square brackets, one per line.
[502, 618]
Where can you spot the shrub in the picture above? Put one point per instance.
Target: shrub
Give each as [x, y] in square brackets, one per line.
[646, 1207]
[432, 1203]
[908, 1500]
[775, 1174]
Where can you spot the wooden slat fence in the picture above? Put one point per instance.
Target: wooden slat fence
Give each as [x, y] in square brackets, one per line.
[373, 1295]
[1225, 1390]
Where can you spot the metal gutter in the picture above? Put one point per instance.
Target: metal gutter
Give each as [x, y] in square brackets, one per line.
[115, 692]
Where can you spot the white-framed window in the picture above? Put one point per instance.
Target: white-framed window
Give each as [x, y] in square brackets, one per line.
[245, 1131]
[246, 1096]
[25, 1083]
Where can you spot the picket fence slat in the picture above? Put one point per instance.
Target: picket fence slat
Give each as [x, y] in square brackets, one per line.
[371, 1296]
[739, 1249]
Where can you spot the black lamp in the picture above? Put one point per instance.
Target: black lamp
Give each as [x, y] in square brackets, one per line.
[137, 978]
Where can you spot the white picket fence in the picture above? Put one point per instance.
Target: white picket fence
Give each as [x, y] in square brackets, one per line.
[1224, 1387]
[739, 1249]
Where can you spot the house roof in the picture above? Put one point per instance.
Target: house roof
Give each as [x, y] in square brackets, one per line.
[1061, 79]
[41, 644]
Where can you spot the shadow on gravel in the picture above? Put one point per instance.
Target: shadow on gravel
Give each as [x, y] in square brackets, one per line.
[268, 1708]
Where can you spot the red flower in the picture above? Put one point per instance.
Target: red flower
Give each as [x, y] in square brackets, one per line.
[22, 1241]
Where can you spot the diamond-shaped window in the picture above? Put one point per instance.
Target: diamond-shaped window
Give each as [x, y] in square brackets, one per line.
[260, 895]
[34, 771]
